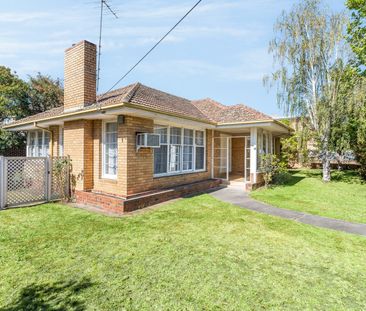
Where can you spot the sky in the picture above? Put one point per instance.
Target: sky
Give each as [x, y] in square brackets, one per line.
[219, 51]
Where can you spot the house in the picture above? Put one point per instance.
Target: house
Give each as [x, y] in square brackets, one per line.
[310, 155]
[120, 166]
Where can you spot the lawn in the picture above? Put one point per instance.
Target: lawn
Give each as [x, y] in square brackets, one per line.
[343, 198]
[193, 254]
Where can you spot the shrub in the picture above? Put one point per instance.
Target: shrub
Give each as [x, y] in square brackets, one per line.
[269, 166]
[274, 171]
[61, 171]
[281, 175]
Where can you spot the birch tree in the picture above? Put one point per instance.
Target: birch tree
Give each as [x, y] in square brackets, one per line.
[310, 58]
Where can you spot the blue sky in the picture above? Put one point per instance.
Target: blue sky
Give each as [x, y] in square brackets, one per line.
[219, 51]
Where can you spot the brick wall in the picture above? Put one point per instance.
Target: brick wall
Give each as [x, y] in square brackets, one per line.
[135, 168]
[78, 144]
[102, 184]
[80, 75]
[54, 141]
[237, 156]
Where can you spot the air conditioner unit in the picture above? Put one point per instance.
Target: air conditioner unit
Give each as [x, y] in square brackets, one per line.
[147, 140]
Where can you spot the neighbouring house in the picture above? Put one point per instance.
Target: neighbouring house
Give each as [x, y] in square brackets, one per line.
[312, 158]
[136, 146]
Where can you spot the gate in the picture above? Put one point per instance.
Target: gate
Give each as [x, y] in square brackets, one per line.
[26, 180]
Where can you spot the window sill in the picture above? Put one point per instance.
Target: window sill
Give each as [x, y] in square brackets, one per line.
[109, 178]
[178, 173]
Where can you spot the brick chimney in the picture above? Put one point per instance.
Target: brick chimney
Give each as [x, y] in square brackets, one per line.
[80, 75]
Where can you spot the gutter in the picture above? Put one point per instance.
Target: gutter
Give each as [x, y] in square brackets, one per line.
[98, 109]
[130, 105]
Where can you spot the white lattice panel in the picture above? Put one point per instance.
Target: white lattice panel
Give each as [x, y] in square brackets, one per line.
[59, 191]
[25, 180]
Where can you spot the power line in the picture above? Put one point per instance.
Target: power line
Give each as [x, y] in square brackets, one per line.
[148, 52]
[102, 4]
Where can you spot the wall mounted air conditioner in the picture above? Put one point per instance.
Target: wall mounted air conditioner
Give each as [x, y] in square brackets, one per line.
[147, 140]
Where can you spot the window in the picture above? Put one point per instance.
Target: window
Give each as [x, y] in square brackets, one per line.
[110, 150]
[181, 150]
[175, 149]
[38, 144]
[200, 150]
[188, 150]
[161, 154]
[61, 141]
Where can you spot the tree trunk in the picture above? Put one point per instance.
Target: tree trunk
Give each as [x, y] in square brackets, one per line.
[326, 168]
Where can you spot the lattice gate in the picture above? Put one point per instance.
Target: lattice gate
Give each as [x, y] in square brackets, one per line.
[26, 180]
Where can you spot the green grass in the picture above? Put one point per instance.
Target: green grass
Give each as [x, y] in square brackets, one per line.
[193, 254]
[343, 198]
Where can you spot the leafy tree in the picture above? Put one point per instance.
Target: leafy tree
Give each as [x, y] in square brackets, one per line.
[13, 104]
[44, 93]
[309, 50]
[356, 125]
[13, 95]
[357, 31]
[19, 99]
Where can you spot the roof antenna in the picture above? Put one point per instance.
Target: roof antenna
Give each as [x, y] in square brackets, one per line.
[102, 4]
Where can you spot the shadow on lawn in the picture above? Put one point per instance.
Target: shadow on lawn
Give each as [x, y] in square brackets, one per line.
[51, 296]
[345, 176]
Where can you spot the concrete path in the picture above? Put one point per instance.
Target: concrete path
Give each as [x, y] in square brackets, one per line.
[237, 196]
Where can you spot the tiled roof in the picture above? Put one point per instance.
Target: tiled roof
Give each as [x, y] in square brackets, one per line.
[39, 116]
[158, 100]
[226, 114]
[140, 95]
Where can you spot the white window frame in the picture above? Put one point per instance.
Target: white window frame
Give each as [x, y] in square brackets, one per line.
[43, 148]
[181, 171]
[61, 136]
[193, 146]
[104, 174]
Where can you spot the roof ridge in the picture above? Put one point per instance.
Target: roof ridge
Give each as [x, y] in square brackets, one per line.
[250, 108]
[166, 93]
[215, 102]
[132, 92]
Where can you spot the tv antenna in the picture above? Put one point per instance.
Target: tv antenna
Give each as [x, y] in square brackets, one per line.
[103, 4]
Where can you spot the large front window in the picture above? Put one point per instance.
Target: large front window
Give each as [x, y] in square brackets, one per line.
[38, 143]
[110, 150]
[181, 150]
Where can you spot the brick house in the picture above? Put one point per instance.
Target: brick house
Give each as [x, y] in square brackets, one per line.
[119, 165]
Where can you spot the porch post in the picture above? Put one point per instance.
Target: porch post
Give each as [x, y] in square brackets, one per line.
[227, 158]
[270, 142]
[253, 154]
[212, 154]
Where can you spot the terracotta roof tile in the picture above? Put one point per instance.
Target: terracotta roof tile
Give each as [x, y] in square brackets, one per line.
[226, 114]
[146, 97]
[158, 100]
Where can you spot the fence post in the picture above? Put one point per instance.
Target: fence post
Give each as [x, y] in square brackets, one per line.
[2, 182]
[48, 178]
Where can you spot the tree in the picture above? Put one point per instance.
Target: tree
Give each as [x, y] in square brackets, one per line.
[309, 50]
[356, 123]
[44, 93]
[19, 99]
[357, 32]
[14, 99]
[13, 104]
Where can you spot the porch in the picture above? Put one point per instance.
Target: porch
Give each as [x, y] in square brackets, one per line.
[237, 150]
